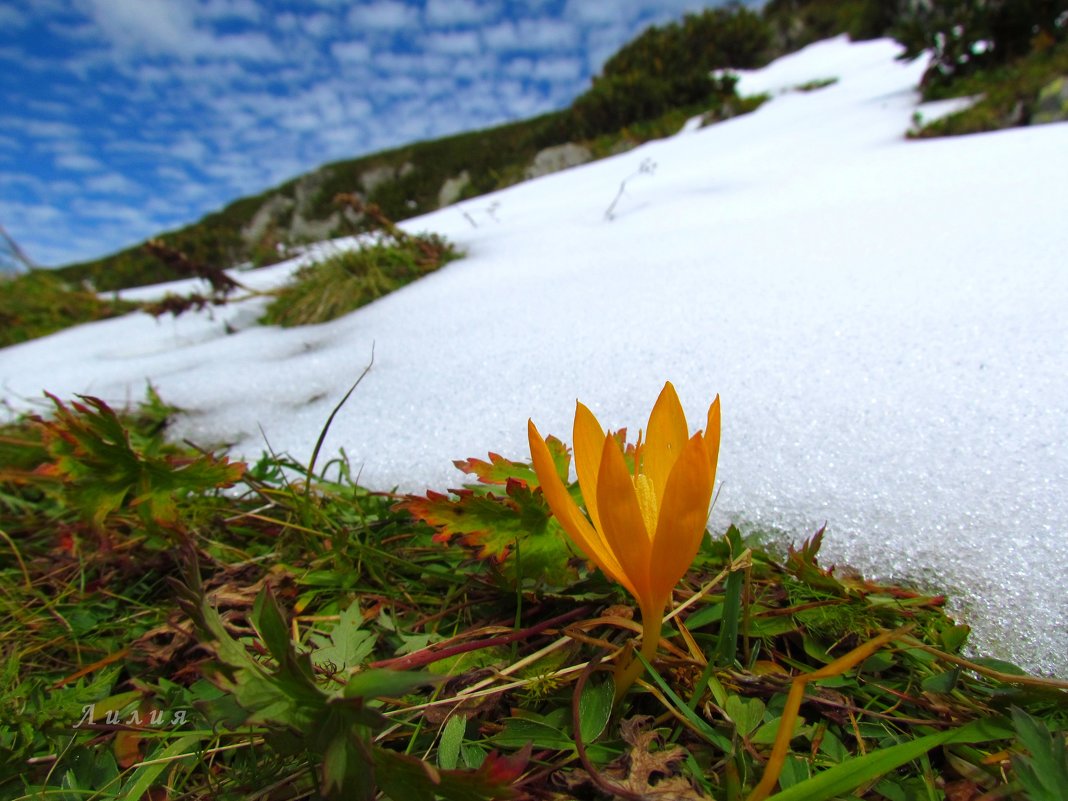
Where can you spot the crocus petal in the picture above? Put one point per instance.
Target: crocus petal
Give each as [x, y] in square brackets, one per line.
[589, 440]
[683, 516]
[664, 439]
[712, 436]
[621, 519]
[567, 511]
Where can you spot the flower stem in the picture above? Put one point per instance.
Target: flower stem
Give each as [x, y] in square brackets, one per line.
[628, 673]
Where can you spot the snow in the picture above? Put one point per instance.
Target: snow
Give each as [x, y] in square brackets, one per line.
[884, 320]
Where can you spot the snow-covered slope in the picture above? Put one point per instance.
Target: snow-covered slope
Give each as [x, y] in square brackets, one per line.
[884, 320]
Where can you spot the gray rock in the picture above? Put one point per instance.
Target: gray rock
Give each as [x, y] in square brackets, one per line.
[452, 189]
[1052, 104]
[559, 157]
[276, 207]
[289, 215]
[374, 177]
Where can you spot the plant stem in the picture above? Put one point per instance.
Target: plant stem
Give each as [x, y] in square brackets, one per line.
[627, 674]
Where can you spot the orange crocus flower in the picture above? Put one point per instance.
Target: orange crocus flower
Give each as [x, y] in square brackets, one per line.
[641, 528]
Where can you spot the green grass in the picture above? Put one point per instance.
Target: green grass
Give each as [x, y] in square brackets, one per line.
[1008, 94]
[343, 282]
[39, 303]
[815, 85]
[286, 640]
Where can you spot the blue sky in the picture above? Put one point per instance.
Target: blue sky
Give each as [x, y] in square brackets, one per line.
[123, 118]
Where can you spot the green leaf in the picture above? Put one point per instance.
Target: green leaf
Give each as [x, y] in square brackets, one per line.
[497, 525]
[767, 733]
[518, 732]
[1044, 772]
[144, 777]
[747, 713]
[451, 741]
[498, 470]
[349, 645]
[347, 768]
[847, 776]
[346, 762]
[100, 469]
[953, 637]
[941, 682]
[1000, 665]
[727, 642]
[595, 707]
[379, 682]
[270, 624]
[701, 726]
[803, 564]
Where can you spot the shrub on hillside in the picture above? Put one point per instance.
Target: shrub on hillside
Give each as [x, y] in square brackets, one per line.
[966, 36]
[618, 101]
[348, 279]
[715, 38]
[1009, 95]
[39, 303]
[797, 23]
[669, 67]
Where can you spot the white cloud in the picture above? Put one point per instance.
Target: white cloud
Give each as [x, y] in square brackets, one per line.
[189, 148]
[477, 67]
[112, 183]
[459, 12]
[519, 67]
[517, 101]
[598, 13]
[395, 86]
[78, 162]
[152, 25]
[248, 46]
[300, 121]
[385, 15]
[557, 69]
[351, 52]
[12, 19]
[287, 21]
[318, 25]
[415, 64]
[231, 9]
[528, 35]
[458, 43]
[162, 27]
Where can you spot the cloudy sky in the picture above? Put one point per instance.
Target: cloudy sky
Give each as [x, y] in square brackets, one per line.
[123, 118]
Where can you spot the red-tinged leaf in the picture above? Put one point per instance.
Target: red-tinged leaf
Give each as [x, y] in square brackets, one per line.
[561, 459]
[497, 470]
[505, 770]
[99, 469]
[407, 778]
[515, 530]
[802, 563]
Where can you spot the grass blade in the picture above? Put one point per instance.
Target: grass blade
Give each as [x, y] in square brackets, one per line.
[147, 773]
[848, 775]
